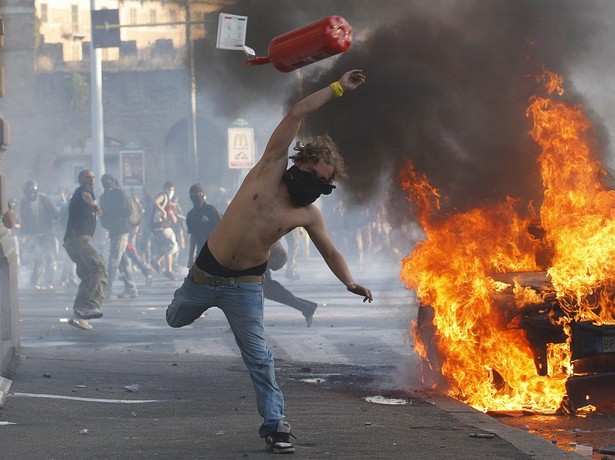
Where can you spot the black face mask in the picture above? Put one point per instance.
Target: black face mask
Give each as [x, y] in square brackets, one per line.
[304, 187]
[196, 201]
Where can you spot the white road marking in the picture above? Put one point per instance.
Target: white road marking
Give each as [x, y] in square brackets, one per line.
[96, 400]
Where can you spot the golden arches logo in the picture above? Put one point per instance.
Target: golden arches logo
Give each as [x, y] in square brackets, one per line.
[240, 140]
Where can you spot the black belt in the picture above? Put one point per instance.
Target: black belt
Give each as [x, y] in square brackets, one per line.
[200, 277]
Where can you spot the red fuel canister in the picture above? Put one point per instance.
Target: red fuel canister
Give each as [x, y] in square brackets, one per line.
[322, 39]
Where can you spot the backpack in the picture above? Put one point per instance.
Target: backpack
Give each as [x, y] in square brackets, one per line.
[156, 220]
[136, 211]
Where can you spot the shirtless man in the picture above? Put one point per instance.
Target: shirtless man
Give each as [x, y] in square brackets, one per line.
[228, 272]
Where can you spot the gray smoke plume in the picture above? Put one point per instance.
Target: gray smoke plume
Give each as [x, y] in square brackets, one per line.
[448, 85]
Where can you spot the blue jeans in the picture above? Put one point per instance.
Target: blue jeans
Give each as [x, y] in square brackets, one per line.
[242, 304]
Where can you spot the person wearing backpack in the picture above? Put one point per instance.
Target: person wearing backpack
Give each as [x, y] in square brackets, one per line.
[116, 219]
[163, 220]
[136, 218]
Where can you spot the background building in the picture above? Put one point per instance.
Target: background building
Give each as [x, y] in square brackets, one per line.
[146, 92]
[150, 29]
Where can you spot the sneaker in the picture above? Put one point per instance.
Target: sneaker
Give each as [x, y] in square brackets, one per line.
[128, 295]
[87, 313]
[278, 441]
[80, 323]
[170, 275]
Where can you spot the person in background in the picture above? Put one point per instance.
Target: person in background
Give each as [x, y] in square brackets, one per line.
[274, 290]
[10, 221]
[200, 220]
[228, 273]
[38, 216]
[136, 232]
[115, 218]
[293, 240]
[163, 219]
[179, 228]
[68, 272]
[83, 211]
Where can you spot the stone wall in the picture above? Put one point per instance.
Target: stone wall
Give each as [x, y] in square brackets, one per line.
[17, 59]
[146, 108]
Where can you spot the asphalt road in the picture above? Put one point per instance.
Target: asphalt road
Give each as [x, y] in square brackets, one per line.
[345, 333]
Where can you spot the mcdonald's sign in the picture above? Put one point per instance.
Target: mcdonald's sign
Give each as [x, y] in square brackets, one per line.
[240, 146]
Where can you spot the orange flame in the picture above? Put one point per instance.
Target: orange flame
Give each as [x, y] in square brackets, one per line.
[486, 362]
[578, 212]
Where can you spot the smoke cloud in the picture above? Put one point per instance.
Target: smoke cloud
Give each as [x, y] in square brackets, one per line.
[448, 86]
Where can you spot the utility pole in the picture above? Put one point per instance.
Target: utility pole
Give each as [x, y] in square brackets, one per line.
[98, 136]
[192, 131]
[106, 27]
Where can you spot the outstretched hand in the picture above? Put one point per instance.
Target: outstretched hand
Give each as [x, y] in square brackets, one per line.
[360, 290]
[352, 79]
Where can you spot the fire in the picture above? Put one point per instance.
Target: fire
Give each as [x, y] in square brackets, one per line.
[578, 212]
[486, 361]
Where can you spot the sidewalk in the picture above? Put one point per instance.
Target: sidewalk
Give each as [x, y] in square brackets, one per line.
[67, 404]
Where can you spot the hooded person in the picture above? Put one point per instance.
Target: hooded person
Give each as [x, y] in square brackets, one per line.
[200, 221]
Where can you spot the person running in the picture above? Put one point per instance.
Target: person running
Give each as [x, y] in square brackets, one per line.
[115, 218]
[274, 290]
[163, 219]
[228, 272]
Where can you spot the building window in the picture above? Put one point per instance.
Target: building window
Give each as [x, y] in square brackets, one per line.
[44, 13]
[152, 16]
[132, 17]
[74, 18]
[173, 16]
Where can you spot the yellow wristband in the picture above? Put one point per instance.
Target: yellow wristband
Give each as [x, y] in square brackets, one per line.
[337, 89]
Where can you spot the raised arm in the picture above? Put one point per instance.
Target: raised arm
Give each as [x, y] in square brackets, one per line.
[285, 132]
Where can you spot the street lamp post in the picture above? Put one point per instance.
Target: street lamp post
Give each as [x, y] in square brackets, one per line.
[105, 27]
[98, 137]
[192, 131]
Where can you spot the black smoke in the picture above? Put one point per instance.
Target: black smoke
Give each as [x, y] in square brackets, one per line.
[448, 86]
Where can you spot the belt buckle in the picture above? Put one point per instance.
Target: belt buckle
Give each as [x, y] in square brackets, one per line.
[217, 280]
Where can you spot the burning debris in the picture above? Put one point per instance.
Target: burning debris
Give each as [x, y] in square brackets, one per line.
[514, 314]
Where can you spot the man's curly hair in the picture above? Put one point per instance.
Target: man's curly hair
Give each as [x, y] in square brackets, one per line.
[320, 147]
